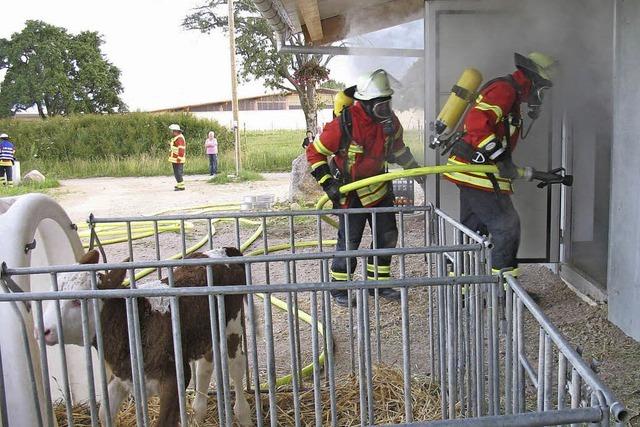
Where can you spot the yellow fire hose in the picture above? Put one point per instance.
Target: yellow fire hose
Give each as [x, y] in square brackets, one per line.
[406, 173]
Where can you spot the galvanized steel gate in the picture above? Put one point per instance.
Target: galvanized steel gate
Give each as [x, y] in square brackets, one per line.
[474, 343]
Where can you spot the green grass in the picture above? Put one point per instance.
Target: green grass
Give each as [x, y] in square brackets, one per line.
[244, 177]
[262, 151]
[31, 187]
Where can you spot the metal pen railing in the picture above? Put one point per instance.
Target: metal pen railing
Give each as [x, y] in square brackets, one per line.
[476, 346]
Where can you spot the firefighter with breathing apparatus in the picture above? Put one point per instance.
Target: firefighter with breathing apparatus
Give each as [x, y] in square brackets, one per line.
[357, 144]
[491, 130]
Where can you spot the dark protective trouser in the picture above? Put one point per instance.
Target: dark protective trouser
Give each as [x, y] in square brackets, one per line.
[178, 169]
[8, 172]
[487, 212]
[386, 235]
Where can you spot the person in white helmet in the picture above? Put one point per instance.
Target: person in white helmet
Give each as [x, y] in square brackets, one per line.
[359, 142]
[7, 159]
[177, 155]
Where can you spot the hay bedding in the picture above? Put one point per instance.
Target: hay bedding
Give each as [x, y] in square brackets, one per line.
[388, 395]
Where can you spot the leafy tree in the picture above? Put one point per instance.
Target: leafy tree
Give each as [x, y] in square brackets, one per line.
[333, 84]
[256, 44]
[57, 72]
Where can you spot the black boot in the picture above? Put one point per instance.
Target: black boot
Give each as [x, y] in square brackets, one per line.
[341, 298]
[387, 293]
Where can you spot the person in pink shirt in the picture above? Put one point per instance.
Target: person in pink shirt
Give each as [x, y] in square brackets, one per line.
[211, 148]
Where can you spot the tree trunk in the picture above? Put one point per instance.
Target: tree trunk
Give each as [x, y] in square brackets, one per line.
[309, 104]
[41, 110]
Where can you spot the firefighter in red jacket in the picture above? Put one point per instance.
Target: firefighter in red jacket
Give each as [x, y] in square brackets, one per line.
[358, 143]
[177, 155]
[492, 129]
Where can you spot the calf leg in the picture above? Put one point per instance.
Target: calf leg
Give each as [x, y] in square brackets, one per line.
[169, 400]
[204, 370]
[169, 405]
[117, 393]
[237, 362]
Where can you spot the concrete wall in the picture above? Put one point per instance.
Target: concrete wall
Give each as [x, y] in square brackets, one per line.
[624, 237]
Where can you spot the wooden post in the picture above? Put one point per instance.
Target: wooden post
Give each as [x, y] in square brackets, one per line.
[234, 87]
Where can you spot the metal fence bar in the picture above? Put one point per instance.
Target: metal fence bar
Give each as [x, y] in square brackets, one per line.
[183, 239]
[129, 240]
[361, 356]
[86, 339]
[100, 348]
[508, 352]
[294, 351]
[376, 293]
[138, 346]
[66, 389]
[562, 380]
[328, 338]
[269, 214]
[548, 361]
[181, 364]
[156, 238]
[133, 356]
[43, 362]
[271, 359]
[367, 348]
[521, 351]
[300, 256]
[294, 279]
[240, 289]
[618, 411]
[224, 358]
[215, 346]
[253, 346]
[317, 398]
[530, 419]
[406, 336]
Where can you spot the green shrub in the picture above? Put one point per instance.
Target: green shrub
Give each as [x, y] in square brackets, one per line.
[92, 137]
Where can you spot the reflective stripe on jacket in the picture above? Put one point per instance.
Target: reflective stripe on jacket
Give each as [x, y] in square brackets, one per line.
[365, 156]
[484, 123]
[178, 149]
[7, 153]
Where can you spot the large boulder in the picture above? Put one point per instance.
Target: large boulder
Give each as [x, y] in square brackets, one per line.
[302, 186]
[33, 176]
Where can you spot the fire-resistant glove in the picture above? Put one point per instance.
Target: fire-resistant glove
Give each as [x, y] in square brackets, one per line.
[332, 188]
[422, 182]
[507, 169]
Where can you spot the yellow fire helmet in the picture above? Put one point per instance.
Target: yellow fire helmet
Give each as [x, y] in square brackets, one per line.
[538, 63]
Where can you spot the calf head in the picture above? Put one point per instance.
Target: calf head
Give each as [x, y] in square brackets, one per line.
[70, 310]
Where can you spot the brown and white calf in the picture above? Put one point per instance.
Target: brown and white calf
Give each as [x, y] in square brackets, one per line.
[156, 335]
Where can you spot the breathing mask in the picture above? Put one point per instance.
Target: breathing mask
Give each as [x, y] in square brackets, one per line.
[379, 109]
[534, 102]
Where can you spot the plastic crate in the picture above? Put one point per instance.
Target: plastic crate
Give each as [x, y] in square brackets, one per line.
[403, 190]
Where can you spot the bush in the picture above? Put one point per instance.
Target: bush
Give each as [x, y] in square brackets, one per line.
[94, 137]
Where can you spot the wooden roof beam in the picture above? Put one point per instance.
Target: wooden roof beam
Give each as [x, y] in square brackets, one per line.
[367, 20]
[311, 17]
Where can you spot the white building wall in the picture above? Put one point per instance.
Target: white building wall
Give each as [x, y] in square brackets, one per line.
[293, 119]
[266, 119]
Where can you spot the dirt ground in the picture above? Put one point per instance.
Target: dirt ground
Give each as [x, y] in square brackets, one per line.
[611, 352]
[109, 197]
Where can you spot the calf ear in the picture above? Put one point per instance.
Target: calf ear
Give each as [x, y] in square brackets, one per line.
[113, 279]
[91, 257]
